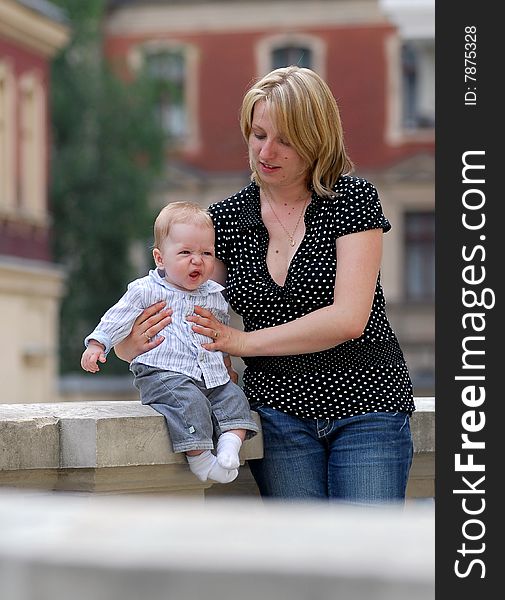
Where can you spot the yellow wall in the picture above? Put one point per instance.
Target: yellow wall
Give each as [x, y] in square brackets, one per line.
[29, 301]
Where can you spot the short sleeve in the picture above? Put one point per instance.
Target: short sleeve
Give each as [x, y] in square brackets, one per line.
[216, 212]
[359, 208]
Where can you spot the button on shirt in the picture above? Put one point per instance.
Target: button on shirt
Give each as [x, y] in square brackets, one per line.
[367, 374]
[182, 349]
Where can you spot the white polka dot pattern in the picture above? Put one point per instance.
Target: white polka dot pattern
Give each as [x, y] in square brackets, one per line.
[368, 374]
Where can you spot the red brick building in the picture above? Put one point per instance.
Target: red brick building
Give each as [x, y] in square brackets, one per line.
[212, 50]
[380, 66]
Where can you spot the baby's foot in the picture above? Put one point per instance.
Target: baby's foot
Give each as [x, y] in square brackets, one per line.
[205, 466]
[228, 448]
[217, 473]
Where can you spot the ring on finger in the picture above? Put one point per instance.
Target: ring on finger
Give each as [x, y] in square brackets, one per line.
[147, 336]
[216, 335]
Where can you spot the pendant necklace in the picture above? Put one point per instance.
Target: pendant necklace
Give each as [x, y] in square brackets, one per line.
[290, 236]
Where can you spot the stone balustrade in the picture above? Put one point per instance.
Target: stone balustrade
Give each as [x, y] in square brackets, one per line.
[123, 447]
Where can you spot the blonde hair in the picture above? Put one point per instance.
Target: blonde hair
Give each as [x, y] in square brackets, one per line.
[179, 212]
[307, 115]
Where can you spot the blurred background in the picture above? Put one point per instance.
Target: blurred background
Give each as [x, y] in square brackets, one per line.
[109, 110]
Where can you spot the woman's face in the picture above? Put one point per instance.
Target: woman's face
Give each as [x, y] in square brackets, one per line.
[273, 157]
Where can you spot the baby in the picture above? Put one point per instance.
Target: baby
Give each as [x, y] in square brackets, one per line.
[188, 385]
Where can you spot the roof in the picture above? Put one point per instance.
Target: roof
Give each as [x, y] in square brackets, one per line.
[46, 9]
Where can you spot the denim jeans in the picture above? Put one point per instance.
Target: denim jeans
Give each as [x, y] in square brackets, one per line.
[362, 459]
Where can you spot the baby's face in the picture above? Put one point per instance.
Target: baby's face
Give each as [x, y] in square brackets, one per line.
[187, 255]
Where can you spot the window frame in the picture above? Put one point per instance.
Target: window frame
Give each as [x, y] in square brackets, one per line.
[418, 242]
[33, 147]
[190, 140]
[267, 45]
[8, 116]
[395, 131]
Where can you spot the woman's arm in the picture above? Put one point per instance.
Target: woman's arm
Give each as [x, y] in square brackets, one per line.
[219, 273]
[358, 262]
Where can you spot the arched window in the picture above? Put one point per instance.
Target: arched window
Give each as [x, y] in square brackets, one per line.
[282, 50]
[167, 69]
[172, 68]
[292, 55]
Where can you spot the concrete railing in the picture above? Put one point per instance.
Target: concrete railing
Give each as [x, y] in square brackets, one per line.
[123, 447]
[63, 546]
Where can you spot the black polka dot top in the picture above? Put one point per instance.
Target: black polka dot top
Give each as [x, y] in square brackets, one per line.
[367, 374]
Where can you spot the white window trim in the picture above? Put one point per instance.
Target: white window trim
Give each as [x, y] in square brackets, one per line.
[135, 59]
[267, 45]
[7, 140]
[33, 152]
[394, 133]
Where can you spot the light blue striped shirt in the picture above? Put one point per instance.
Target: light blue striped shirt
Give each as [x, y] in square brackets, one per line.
[182, 349]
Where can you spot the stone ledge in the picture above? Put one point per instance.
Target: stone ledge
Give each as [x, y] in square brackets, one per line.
[105, 447]
[123, 446]
[125, 548]
[90, 435]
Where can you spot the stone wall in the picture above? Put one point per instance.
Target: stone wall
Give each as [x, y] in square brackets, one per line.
[65, 546]
[123, 447]
[30, 294]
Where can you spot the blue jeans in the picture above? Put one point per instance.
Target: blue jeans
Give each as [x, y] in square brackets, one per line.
[362, 459]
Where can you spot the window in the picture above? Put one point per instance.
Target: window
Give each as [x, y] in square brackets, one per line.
[420, 256]
[7, 149]
[173, 69]
[32, 137]
[292, 55]
[167, 69]
[282, 50]
[418, 89]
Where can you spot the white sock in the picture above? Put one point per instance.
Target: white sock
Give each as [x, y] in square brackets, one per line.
[228, 447]
[205, 466]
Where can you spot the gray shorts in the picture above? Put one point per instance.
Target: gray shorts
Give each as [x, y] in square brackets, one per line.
[195, 415]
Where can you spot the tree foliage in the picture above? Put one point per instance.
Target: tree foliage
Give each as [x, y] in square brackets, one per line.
[107, 151]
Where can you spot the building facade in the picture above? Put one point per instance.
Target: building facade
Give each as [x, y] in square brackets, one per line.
[379, 62]
[31, 31]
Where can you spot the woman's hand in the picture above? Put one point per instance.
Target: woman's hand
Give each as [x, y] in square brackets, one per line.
[227, 339]
[143, 336]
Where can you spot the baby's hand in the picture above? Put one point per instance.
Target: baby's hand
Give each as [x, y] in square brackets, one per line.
[233, 374]
[94, 352]
[229, 367]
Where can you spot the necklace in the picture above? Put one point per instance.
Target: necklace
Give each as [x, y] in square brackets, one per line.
[291, 236]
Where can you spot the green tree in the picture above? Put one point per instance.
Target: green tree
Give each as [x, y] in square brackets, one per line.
[107, 151]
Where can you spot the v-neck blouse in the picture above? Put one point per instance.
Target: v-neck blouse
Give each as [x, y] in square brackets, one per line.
[366, 374]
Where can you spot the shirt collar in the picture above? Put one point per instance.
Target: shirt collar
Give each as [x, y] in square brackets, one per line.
[209, 287]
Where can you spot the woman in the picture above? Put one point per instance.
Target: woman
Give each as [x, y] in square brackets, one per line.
[300, 250]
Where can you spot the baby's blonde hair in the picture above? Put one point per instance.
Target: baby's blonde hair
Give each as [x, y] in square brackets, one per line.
[179, 212]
